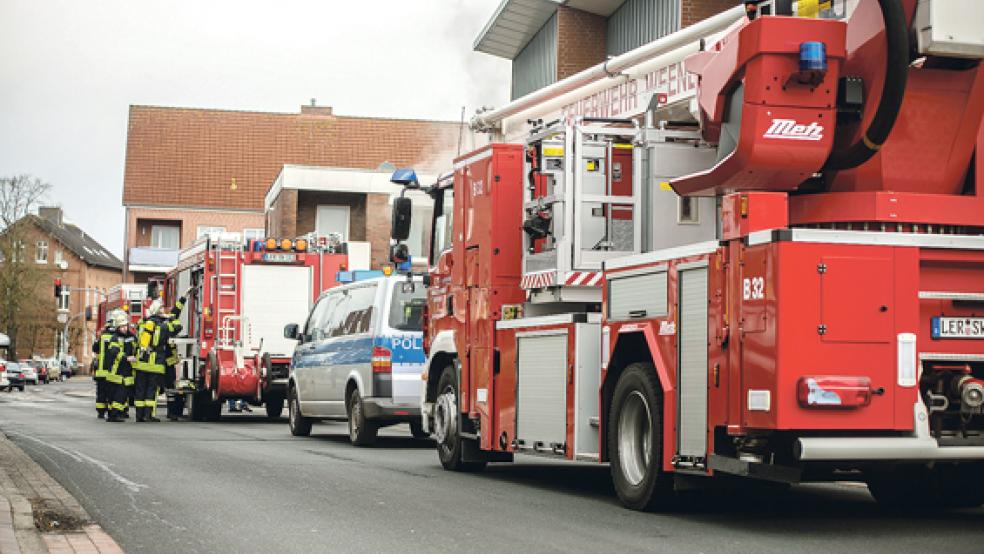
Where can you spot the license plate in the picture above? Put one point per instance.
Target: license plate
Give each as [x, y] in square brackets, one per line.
[958, 327]
[280, 258]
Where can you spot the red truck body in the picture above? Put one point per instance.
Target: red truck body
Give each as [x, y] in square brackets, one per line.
[835, 326]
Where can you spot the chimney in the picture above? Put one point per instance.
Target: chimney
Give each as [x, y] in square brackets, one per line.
[51, 213]
[315, 109]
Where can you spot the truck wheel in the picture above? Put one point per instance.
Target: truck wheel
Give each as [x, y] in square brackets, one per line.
[417, 430]
[362, 432]
[300, 426]
[274, 405]
[635, 439]
[446, 431]
[196, 411]
[213, 410]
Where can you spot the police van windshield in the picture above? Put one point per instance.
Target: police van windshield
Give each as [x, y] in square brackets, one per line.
[407, 308]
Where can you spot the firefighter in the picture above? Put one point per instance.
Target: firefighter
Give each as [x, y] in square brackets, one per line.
[121, 351]
[102, 364]
[153, 338]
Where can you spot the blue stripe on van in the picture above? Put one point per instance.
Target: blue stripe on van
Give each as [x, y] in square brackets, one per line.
[406, 348]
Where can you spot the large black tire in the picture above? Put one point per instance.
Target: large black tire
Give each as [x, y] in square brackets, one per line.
[918, 488]
[213, 410]
[362, 432]
[635, 439]
[417, 430]
[274, 405]
[450, 442]
[300, 426]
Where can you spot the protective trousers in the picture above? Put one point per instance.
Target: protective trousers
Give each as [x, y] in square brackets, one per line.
[146, 387]
[116, 393]
[102, 395]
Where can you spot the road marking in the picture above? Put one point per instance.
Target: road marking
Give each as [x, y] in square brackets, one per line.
[132, 486]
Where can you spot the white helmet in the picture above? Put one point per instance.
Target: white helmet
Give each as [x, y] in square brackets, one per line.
[154, 308]
[119, 318]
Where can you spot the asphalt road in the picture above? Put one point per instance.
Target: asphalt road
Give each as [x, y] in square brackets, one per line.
[244, 484]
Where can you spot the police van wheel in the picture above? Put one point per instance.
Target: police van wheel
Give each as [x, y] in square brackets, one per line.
[274, 405]
[362, 432]
[300, 426]
[635, 439]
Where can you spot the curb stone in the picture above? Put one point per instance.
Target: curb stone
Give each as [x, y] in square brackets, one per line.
[29, 496]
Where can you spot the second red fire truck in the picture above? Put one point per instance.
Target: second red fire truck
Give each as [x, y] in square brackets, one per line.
[241, 294]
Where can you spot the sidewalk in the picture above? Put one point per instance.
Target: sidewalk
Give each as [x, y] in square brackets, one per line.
[38, 515]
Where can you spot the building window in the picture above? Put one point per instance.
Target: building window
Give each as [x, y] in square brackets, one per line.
[687, 212]
[165, 236]
[59, 257]
[210, 231]
[253, 234]
[41, 252]
[17, 252]
[333, 219]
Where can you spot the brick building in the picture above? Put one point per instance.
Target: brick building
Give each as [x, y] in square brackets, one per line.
[194, 171]
[60, 249]
[549, 40]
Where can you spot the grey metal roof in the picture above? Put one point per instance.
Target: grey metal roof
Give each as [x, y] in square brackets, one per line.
[79, 242]
[514, 22]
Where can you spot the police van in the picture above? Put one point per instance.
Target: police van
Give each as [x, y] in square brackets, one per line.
[359, 357]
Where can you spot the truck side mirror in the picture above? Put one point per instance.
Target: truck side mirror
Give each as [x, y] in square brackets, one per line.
[400, 224]
[292, 331]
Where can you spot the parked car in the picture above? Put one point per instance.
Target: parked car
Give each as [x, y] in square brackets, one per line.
[15, 375]
[29, 373]
[39, 368]
[4, 382]
[359, 358]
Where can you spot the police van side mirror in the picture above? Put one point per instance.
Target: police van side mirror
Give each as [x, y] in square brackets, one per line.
[400, 224]
[292, 331]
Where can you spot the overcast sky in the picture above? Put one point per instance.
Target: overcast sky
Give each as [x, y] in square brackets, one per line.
[69, 69]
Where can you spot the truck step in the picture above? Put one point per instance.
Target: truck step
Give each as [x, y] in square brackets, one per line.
[755, 470]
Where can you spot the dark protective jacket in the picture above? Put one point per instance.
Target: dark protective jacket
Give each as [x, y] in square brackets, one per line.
[122, 347]
[99, 348]
[154, 340]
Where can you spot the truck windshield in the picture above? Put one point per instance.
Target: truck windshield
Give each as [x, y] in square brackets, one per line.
[407, 308]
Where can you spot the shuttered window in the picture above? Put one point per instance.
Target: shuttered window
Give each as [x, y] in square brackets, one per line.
[637, 297]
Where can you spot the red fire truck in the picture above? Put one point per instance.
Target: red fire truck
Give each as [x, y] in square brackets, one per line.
[829, 323]
[241, 294]
[129, 297]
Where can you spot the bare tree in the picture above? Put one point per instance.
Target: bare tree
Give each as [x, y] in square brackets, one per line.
[20, 280]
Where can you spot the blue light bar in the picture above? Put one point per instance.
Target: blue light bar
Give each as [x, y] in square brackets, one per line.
[405, 176]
